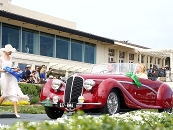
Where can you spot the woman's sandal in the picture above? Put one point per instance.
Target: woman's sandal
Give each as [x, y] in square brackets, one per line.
[17, 115]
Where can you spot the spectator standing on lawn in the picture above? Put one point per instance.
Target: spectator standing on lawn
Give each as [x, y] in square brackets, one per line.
[167, 67]
[19, 71]
[49, 72]
[43, 73]
[26, 73]
[31, 79]
[37, 74]
[33, 73]
[50, 78]
[155, 72]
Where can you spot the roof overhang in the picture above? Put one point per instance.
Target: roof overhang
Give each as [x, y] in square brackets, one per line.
[147, 51]
[53, 26]
[157, 52]
[125, 45]
[71, 68]
[129, 45]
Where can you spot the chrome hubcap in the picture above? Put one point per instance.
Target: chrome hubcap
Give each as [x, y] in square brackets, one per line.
[112, 103]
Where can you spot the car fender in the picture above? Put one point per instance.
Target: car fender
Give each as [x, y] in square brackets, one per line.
[105, 87]
[165, 96]
[47, 91]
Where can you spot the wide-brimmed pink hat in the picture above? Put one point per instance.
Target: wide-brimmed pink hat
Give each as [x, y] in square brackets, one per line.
[8, 48]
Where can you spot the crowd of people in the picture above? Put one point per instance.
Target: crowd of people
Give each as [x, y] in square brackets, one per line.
[152, 73]
[155, 72]
[39, 75]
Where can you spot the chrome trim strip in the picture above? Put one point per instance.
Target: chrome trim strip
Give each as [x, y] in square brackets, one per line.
[142, 85]
[65, 93]
[83, 83]
[89, 103]
[72, 85]
[71, 88]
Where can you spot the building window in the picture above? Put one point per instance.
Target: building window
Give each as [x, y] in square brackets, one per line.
[121, 61]
[76, 50]
[151, 58]
[90, 53]
[11, 35]
[111, 60]
[121, 54]
[111, 52]
[158, 61]
[0, 35]
[46, 44]
[131, 56]
[142, 58]
[62, 48]
[30, 41]
[22, 66]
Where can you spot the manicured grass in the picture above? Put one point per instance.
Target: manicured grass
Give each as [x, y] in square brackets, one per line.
[28, 109]
[38, 109]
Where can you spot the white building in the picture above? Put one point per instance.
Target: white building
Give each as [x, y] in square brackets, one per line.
[43, 39]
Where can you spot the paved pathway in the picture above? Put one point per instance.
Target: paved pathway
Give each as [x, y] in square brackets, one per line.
[25, 117]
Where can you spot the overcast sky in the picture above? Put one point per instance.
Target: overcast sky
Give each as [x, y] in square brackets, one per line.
[147, 23]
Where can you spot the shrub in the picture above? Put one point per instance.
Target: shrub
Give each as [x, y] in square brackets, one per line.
[20, 103]
[79, 121]
[32, 90]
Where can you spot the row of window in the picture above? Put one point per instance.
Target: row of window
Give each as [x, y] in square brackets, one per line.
[35, 42]
[111, 54]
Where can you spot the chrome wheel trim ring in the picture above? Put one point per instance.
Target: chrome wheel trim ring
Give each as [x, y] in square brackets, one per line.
[112, 103]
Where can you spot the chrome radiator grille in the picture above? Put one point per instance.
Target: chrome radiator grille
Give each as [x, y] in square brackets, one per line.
[73, 89]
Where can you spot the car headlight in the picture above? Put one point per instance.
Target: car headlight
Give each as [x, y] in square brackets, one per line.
[55, 99]
[81, 99]
[88, 84]
[56, 84]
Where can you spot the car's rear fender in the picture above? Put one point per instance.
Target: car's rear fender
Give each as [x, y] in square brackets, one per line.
[165, 96]
[107, 85]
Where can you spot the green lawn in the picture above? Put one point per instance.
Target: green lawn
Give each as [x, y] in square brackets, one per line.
[32, 109]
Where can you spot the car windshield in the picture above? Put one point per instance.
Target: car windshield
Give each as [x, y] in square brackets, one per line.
[113, 68]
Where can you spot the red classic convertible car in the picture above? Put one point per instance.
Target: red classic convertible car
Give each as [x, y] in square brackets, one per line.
[109, 89]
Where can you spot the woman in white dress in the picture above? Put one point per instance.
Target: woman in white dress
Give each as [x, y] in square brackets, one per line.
[9, 84]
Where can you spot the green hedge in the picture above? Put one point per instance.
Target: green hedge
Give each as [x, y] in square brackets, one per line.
[32, 90]
[79, 121]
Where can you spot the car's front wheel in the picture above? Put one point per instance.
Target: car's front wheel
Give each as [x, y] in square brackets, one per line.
[169, 110]
[54, 113]
[112, 105]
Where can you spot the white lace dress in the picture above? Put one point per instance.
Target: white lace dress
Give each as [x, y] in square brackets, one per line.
[9, 85]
